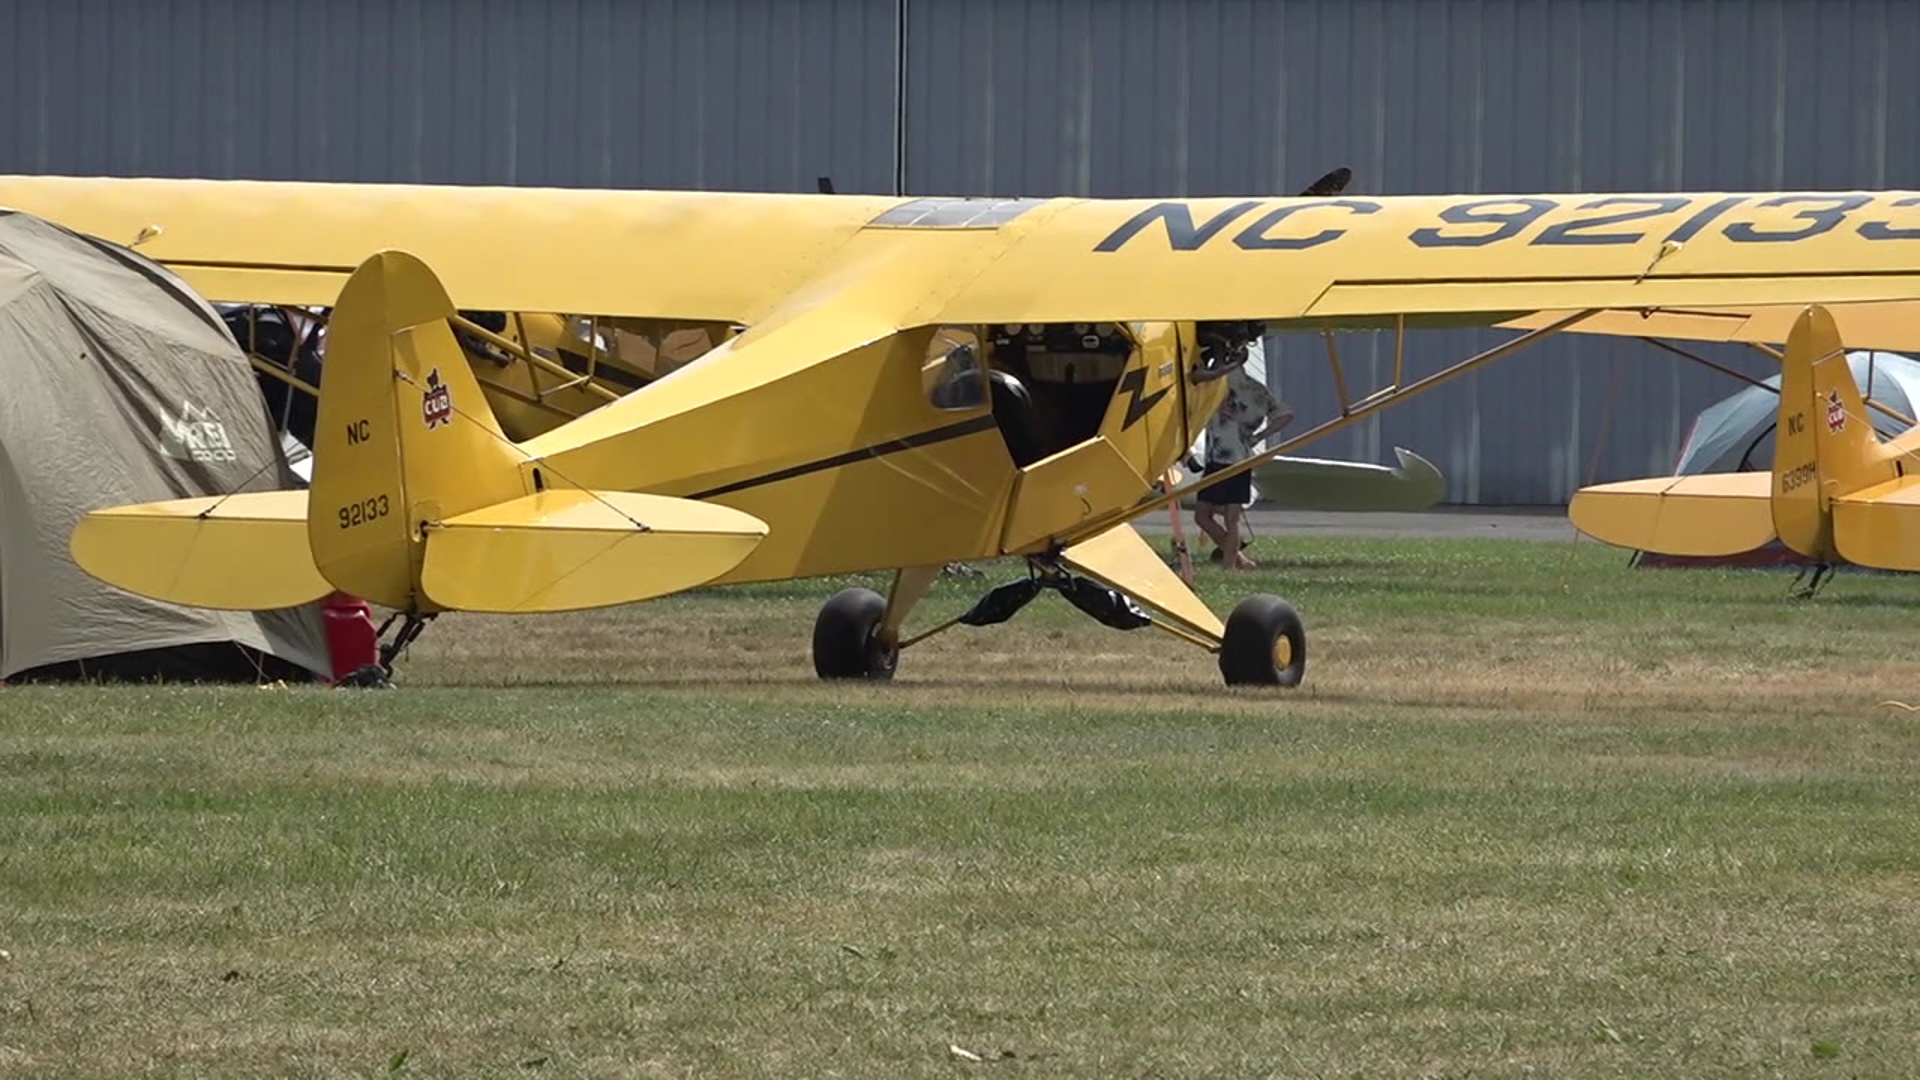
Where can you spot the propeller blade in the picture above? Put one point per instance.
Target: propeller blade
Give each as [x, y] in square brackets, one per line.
[1333, 183]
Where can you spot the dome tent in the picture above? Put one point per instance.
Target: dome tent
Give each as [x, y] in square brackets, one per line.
[1736, 434]
[122, 386]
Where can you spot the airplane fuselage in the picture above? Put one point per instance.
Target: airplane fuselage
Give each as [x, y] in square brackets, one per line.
[982, 440]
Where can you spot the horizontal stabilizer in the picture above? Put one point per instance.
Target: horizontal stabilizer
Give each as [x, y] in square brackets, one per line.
[1324, 484]
[243, 552]
[1879, 526]
[569, 549]
[1710, 514]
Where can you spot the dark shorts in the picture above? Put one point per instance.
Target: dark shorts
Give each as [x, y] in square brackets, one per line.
[1233, 491]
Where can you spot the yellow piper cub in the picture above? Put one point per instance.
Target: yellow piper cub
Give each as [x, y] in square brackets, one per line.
[1836, 491]
[916, 380]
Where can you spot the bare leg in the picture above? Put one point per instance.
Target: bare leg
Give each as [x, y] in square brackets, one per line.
[1207, 517]
[1230, 556]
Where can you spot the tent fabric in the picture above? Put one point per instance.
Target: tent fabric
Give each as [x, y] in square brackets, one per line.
[1736, 434]
[122, 386]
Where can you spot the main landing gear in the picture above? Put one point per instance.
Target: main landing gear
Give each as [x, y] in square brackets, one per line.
[857, 633]
[1265, 644]
[379, 675]
[847, 643]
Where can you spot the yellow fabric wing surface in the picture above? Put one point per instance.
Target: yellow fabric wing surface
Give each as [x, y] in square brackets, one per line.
[691, 255]
[244, 552]
[1891, 324]
[735, 256]
[1879, 526]
[1710, 514]
[570, 549]
[1354, 259]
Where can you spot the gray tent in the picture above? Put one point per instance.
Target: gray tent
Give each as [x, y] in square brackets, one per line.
[119, 385]
[1735, 434]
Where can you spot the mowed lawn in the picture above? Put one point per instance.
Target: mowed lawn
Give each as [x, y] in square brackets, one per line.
[1534, 814]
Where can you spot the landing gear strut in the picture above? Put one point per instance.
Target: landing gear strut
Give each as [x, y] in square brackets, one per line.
[379, 675]
[857, 633]
[1107, 606]
[1821, 573]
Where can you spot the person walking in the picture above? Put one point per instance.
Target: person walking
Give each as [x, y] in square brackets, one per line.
[1249, 414]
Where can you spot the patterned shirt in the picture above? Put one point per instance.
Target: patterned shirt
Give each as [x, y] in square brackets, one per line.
[1249, 406]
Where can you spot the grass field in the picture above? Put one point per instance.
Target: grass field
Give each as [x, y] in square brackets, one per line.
[1532, 815]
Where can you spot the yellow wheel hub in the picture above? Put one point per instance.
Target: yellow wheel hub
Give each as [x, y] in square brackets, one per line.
[1282, 652]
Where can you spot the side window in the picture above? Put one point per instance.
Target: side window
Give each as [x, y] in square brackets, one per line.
[954, 375]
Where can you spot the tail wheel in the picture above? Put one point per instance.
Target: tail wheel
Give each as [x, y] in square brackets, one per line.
[846, 643]
[1264, 645]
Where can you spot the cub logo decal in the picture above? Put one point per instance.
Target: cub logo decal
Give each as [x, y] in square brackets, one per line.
[436, 406]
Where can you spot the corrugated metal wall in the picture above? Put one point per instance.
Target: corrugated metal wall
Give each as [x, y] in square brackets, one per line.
[1103, 97]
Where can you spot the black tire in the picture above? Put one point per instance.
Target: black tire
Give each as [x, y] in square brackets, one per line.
[844, 645]
[368, 676]
[1251, 652]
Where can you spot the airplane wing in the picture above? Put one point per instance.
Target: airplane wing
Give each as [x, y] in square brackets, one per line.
[1892, 325]
[1361, 261]
[680, 254]
[1295, 262]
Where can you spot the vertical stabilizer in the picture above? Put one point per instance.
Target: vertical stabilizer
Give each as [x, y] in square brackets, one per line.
[403, 434]
[1825, 446]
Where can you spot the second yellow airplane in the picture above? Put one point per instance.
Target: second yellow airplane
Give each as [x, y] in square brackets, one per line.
[1837, 492]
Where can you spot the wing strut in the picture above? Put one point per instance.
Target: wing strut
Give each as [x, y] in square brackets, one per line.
[1349, 414]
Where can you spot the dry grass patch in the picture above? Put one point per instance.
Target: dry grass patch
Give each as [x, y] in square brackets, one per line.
[1533, 815]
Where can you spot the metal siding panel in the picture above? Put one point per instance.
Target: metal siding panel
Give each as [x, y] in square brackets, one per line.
[1206, 102]
[1029, 97]
[593, 126]
[721, 135]
[1631, 126]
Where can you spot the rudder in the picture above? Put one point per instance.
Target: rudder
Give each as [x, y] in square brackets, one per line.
[1824, 444]
[403, 434]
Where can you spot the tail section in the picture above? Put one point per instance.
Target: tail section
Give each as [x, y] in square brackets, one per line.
[1869, 490]
[1708, 515]
[245, 552]
[418, 501]
[403, 434]
[1824, 445]
[1825, 452]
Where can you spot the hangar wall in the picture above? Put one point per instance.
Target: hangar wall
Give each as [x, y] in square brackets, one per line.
[1037, 97]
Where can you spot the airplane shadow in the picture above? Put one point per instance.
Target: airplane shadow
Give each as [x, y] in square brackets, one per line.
[1204, 686]
[1860, 600]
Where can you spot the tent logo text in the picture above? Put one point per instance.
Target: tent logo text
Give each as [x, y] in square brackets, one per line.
[195, 435]
[436, 405]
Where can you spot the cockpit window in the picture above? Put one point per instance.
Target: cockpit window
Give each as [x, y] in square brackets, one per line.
[954, 375]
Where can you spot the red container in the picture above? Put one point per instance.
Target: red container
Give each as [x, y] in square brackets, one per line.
[353, 641]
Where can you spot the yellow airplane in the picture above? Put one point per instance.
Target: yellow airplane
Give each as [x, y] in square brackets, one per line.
[1836, 491]
[905, 382]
